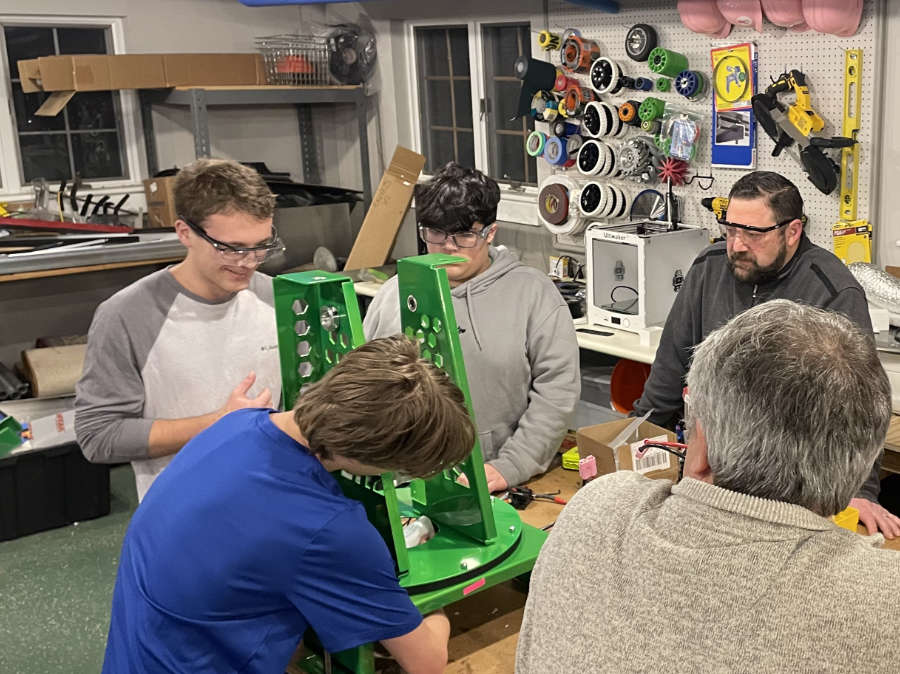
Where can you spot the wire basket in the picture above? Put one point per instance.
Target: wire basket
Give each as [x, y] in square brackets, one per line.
[297, 60]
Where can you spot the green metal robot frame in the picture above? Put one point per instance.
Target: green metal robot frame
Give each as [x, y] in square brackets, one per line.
[480, 541]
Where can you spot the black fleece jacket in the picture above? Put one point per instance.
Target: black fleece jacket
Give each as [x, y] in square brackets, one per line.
[711, 296]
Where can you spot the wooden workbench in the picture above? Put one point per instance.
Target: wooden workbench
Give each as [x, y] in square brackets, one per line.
[486, 626]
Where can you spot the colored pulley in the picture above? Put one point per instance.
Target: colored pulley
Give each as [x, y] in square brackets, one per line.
[606, 76]
[674, 170]
[651, 126]
[643, 84]
[651, 108]
[640, 41]
[691, 84]
[555, 151]
[577, 54]
[549, 41]
[534, 144]
[667, 62]
[628, 113]
[575, 99]
[663, 84]
[563, 128]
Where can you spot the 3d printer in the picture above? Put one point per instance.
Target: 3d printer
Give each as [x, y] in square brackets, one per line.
[634, 271]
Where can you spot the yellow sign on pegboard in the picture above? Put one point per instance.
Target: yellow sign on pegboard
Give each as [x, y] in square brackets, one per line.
[733, 76]
[853, 241]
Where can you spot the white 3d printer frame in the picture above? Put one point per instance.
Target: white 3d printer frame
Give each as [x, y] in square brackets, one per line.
[635, 270]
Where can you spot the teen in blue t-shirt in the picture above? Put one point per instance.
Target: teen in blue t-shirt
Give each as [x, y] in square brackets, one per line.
[245, 540]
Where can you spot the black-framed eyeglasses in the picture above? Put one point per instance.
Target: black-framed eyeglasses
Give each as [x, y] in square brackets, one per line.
[733, 229]
[467, 239]
[232, 253]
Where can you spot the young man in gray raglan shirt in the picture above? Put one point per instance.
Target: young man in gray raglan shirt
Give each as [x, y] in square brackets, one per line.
[172, 353]
[516, 332]
[766, 255]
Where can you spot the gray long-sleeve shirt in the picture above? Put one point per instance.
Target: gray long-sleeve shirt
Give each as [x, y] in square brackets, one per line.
[521, 356]
[157, 351]
[641, 576]
[711, 296]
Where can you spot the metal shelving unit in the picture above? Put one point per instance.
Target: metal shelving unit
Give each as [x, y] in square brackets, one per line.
[199, 99]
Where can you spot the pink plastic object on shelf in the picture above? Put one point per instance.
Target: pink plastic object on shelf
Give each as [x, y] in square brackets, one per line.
[742, 12]
[784, 13]
[838, 17]
[703, 16]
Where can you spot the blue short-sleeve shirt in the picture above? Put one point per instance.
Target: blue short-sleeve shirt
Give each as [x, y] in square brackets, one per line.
[243, 542]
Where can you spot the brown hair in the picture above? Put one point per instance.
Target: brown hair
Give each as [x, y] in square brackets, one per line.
[209, 186]
[385, 407]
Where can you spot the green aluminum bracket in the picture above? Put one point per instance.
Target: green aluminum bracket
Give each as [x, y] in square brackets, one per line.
[480, 541]
[318, 320]
[426, 315]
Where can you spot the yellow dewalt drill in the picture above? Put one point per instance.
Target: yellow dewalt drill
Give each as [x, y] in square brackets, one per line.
[718, 205]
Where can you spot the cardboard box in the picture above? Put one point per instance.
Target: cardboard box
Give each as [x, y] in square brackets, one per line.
[656, 463]
[391, 201]
[67, 74]
[160, 193]
[213, 70]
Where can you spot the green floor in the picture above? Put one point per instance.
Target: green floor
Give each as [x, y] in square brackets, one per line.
[56, 587]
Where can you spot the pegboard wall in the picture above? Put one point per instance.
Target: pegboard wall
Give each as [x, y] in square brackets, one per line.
[820, 56]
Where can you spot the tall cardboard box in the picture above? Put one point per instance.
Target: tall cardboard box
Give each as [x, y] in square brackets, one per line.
[656, 463]
[160, 193]
[391, 201]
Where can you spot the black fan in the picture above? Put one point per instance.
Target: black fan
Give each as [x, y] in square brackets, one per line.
[351, 54]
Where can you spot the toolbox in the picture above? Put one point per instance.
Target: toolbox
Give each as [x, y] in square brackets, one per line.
[47, 488]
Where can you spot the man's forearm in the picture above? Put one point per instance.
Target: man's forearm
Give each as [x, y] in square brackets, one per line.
[167, 436]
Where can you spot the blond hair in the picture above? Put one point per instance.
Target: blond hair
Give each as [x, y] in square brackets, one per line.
[385, 407]
[209, 186]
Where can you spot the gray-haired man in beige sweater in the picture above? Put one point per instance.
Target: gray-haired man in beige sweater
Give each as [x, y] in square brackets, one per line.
[737, 568]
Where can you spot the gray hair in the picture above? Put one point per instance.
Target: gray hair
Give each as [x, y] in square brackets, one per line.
[794, 404]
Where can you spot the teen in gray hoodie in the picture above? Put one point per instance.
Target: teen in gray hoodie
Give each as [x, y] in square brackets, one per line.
[516, 331]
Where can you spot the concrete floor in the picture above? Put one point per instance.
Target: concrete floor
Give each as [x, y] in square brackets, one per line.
[56, 588]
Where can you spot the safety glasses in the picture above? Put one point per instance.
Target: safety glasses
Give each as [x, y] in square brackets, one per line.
[232, 253]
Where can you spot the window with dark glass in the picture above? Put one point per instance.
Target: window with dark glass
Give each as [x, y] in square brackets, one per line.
[446, 89]
[508, 160]
[445, 94]
[85, 139]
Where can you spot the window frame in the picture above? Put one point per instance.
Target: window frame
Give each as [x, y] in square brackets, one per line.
[12, 187]
[516, 205]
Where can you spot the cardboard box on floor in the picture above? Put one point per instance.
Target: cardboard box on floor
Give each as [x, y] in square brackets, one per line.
[160, 193]
[382, 222]
[657, 463]
[67, 74]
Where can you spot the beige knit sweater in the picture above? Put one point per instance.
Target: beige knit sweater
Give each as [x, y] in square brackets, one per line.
[638, 575]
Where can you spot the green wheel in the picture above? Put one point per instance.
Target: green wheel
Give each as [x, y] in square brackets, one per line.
[666, 62]
[650, 109]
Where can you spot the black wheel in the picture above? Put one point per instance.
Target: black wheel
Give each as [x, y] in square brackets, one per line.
[640, 41]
